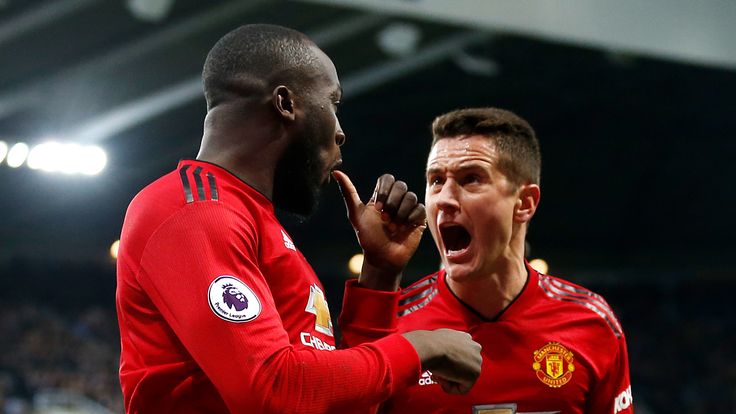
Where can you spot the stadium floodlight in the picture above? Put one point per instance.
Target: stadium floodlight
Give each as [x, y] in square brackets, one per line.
[67, 158]
[42, 157]
[399, 39]
[356, 264]
[150, 10]
[70, 158]
[17, 155]
[3, 150]
[540, 265]
[93, 160]
[114, 249]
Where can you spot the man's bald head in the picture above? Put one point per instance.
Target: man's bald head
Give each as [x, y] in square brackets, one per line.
[254, 58]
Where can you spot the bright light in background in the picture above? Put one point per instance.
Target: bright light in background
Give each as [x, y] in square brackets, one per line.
[399, 39]
[356, 264]
[150, 10]
[114, 249]
[44, 156]
[17, 155]
[67, 158]
[3, 150]
[95, 160]
[539, 265]
[71, 158]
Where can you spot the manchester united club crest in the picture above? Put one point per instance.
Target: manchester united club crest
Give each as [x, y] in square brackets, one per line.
[553, 364]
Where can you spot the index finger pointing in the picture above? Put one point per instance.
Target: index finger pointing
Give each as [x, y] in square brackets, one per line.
[348, 191]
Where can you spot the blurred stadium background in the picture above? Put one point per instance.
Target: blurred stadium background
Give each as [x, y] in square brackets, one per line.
[633, 103]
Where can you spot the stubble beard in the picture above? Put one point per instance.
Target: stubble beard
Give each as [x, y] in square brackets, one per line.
[297, 182]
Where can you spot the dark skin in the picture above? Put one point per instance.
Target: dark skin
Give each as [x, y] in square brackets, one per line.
[250, 135]
[389, 228]
[254, 159]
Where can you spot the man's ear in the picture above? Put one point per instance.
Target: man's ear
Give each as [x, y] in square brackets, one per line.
[527, 202]
[283, 101]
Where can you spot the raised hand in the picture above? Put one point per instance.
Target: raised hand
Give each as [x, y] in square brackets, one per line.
[389, 228]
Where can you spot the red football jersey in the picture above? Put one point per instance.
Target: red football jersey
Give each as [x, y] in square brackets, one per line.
[220, 313]
[558, 348]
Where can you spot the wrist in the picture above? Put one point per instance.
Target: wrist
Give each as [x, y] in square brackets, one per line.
[425, 347]
[377, 278]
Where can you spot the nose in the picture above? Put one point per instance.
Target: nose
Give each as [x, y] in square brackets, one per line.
[340, 137]
[447, 198]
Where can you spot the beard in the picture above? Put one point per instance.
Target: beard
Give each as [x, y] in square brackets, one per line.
[298, 178]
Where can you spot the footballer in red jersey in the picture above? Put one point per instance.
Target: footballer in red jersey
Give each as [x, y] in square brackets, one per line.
[218, 310]
[214, 300]
[549, 346]
[557, 348]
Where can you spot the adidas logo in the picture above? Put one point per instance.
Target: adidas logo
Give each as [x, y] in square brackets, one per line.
[426, 378]
[287, 241]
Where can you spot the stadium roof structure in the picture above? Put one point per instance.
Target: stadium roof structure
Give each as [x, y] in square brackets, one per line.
[633, 104]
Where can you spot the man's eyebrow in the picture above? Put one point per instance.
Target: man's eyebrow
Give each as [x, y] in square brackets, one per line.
[472, 165]
[337, 94]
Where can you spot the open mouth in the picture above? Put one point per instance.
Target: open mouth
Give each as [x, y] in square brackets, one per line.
[455, 239]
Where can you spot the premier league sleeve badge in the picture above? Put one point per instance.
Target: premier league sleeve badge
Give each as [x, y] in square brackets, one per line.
[232, 300]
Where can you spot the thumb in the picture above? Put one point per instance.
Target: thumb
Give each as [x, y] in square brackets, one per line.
[349, 193]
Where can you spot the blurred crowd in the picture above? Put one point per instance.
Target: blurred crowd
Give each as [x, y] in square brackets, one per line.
[49, 349]
[681, 335]
[682, 339]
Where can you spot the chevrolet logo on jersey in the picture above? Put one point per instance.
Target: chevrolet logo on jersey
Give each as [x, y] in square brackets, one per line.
[317, 305]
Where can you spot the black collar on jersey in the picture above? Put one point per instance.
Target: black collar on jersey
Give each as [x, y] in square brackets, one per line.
[498, 316]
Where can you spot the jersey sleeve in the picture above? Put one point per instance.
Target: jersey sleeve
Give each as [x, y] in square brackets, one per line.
[252, 364]
[612, 394]
[367, 314]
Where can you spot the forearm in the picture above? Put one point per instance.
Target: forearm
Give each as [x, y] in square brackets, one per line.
[308, 381]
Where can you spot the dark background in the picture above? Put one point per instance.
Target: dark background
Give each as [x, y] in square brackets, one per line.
[636, 198]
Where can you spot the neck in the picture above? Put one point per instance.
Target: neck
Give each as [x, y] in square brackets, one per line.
[246, 144]
[492, 292]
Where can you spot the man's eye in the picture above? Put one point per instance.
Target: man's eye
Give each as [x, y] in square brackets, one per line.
[435, 180]
[471, 179]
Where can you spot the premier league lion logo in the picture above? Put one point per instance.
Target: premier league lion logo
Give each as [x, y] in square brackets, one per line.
[233, 298]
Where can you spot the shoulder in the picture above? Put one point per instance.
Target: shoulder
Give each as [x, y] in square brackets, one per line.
[185, 186]
[183, 204]
[418, 294]
[183, 192]
[580, 302]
